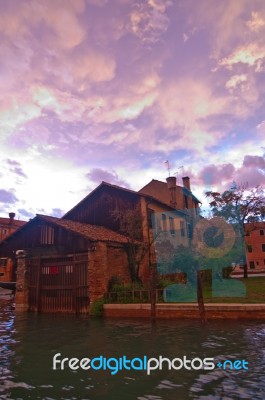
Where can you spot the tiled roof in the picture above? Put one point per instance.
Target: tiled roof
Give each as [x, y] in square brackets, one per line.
[91, 232]
[15, 223]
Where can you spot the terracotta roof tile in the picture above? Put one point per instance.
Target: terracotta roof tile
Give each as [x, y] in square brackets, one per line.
[91, 232]
[16, 222]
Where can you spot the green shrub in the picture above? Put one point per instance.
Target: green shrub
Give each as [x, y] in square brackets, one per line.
[114, 281]
[227, 272]
[96, 308]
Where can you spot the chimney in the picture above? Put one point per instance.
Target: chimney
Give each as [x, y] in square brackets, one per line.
[11, 217]
[186, 182]
[171, 185]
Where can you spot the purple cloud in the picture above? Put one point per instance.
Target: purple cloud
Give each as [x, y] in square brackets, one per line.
[7, 197]
[212, 174]
[57, 212]
[98, 175]
[25, 214]
[254, 161]
[16, 168]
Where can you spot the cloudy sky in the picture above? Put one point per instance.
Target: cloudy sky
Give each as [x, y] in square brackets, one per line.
[109, 90]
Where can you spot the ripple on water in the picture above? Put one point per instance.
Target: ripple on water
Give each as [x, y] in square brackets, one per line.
[28, 343]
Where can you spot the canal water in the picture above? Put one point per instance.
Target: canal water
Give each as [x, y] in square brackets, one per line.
[29, 342]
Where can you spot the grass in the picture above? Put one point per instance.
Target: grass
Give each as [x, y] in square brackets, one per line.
[251, 290]
[254, 292]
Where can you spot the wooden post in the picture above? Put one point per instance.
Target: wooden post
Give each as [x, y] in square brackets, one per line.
[21, 299]
[153, 292]
[38, 287]
[200, 298]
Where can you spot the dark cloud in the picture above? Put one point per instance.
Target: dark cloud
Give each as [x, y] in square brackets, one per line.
[7, 197]
[98, 175]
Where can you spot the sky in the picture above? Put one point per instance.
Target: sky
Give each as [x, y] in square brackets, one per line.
[108, 90]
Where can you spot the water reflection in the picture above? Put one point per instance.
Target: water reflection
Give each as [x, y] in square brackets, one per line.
[29, 342]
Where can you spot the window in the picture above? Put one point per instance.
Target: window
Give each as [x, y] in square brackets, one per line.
[249, 248]
[257, 263]
[3, 262]
[263, 247]
[150, 218]
[47, 234]
[171, 225]
[189, 233]
[186, 201]
[164, 222]
[182, 229]
[261, 232]
[251, 265]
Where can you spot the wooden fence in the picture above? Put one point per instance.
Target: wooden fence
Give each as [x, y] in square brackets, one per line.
[133, 296]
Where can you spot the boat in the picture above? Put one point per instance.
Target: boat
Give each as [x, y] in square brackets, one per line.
[8, 285]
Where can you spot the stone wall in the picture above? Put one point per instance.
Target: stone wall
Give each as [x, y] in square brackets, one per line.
[183, 311]
[21, 298]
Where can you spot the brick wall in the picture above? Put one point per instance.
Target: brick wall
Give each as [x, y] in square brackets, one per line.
[109, 259]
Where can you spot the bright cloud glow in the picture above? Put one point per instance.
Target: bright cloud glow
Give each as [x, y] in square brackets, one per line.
[111, 89]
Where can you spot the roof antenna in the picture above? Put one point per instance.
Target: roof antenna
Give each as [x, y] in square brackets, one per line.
[168, 166]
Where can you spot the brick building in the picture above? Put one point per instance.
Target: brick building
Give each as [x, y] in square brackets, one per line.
[255, 246]
[69, 262]
[9, 225]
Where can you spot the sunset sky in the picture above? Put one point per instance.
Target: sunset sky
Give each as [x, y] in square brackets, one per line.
[109, 90]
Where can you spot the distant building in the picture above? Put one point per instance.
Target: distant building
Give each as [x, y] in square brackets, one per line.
[255, 246]
[9, 225]
[178, 197]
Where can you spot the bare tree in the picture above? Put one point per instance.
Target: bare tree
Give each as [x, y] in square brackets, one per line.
[130, 221]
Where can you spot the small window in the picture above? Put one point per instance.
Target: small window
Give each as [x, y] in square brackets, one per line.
[263, 247]
[164, 222]
[261, 232]
[182, 229]
[249, 248]
[189, 233]
[3, 262]
[251, 265]
[150, 218]
[47, 234]
[171, 225]
[257, 263]
[186, 201]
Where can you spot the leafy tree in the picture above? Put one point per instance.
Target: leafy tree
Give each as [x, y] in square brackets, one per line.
[240, 205]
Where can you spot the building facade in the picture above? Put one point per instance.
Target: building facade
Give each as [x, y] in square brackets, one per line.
[65, 264]
[255, 246]
[9, 225]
